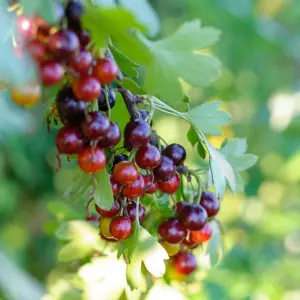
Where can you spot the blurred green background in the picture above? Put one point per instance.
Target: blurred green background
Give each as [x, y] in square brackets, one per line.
[260, 51]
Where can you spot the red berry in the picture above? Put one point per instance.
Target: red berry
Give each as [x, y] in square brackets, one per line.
[111, 138]
[125, 172]
[37, 50]
[180, 205]
[115, 186]
[166, 170]
[93, 219]
[51, 72]
[172, 231]
[82, 62]
[109, 213]
[92, 160]
[189, 243]
[151, 184]
[211, 203]
[176, 152]
[106, 71]
[87, 88]
[131, 211]
[63, 44]
[95, 126]
[148, 157]
[185, 263]
[120, 227]
[202, 235]
[170, 186]
[193, 217]
[69, 141]
[69, 108]
[137, 133]
[135, 189]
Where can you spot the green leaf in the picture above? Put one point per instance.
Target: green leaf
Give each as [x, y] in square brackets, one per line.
[151, 253]
[83, 240]
[201, 150]
[162, 204]
[78, 186]
[144, 13]
[131, 85]
[215, 247]
[226, 164]
[174, 57]
[130, 243]
[105, 3]
[117, 24]
[62, 211]
[127, 66]
[207, 118]
[192, 136]
[103, 194]
[120, 115]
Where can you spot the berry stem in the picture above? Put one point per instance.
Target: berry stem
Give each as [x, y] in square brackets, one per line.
[199, 183]
[86, 208]
[94, 106]
[137, 218]
[107, 101]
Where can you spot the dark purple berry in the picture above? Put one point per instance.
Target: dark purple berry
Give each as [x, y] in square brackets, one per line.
[211, 203]
[176, 152]
[166, 170]
[137, 133]
[102, 101]
[193, 217]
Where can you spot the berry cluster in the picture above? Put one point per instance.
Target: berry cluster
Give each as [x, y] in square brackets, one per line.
[187, 230]
[144, 166]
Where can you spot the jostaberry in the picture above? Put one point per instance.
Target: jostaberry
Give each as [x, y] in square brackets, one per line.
[172, 231]
[170, 186]
[135, 189]
[185, 262]
[119, 158]
[111, 138]
[92, 160]
[166, 170]
[202, 235]
[106, 70]
[193, 217]
[137, 133]
[102, 105]
[211, 203]
[115, 186]
[109, 213]
[151, 184]
[51, 72]
[125, 172]
[148, 157]
[82, 62]
[95, 126]
[131, 211]
[176, 152]
[87, 88]
[120, 227]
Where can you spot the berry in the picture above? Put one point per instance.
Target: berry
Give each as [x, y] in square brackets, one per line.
[172, 231]
[172, 249]
[120, 228]
[202, 235]
[87, 88]
[176, 152]
[109, 213]
[131, 211]
[148, 157]
[170, 186]
[63, 44]
[82, 62]
[92, 219]
[92, 160]
[119, 158]
[189, 243]
[84, 37]
[37, 50]
[111, 138]
[173, 274]
[104, 224]
[135, 189]
[181, 169]
[106, 70]
[73, 12]
[51, 72]
[180, 205]
[115, 186]
[185, 263]
[193, 217]
[102, 101]
[166, 170]
[26, 95]
[151, 184]
[137, 133]
[125, 172]
[154, 140]
[95, 126]
[69, 108]
[211, 203]
[69, 141]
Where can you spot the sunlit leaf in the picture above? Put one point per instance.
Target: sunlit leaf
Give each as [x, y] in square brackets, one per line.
[103, 194]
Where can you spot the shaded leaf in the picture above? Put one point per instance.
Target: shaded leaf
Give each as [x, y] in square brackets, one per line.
[62, 211]
[127, 66]
[201, 150]
[192, 136]
[131, 85]
[215, 247]
[144, 13]
[103, 195]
